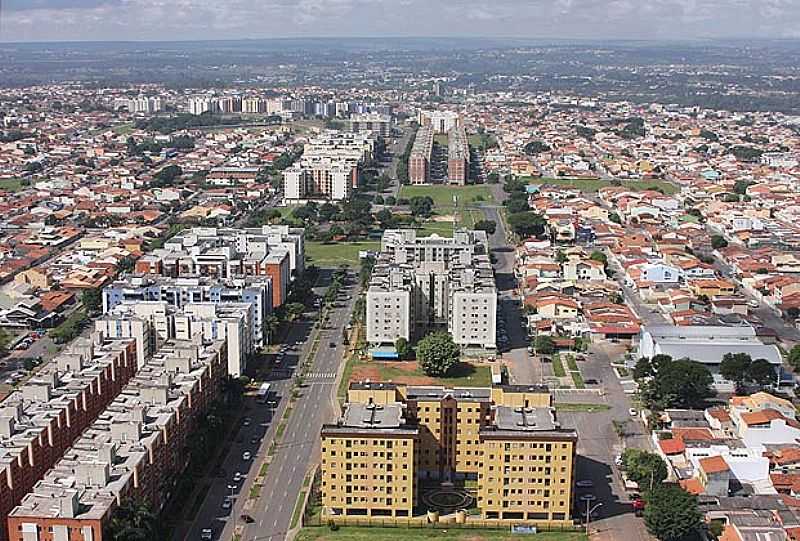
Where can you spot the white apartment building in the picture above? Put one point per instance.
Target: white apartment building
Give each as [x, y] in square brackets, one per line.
[441, 121]
[140, 104]
[329, 168]
[426, 284]
[153, 323]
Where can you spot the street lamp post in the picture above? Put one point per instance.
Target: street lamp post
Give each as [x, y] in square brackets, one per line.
[589, 513]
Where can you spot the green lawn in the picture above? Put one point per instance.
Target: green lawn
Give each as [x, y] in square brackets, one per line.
[558, 367]
[584, 408]
[463, 375]
[123, 129]
[442, 195]
[592, 185]
[443, 229]
[11, 185]
[335, 254]
[353, 533]
[466, 218]
[441, 139]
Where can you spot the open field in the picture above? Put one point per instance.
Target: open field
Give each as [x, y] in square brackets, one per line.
[11, 185]
[464, 375]
[466, 218]
[335, 254]
[442, 195]
[354, 533]
[583, 408]
[592, 185]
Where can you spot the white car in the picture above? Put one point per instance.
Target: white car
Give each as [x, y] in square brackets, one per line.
[633, 412]
[584, 483]
[246, 455]
[206, 534]
[237, 477]
[226, 503]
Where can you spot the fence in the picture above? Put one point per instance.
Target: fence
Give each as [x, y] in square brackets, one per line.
[422, 523]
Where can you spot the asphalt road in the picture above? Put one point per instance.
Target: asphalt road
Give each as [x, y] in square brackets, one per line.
[299, 447]
[523, 368]
[598, 442]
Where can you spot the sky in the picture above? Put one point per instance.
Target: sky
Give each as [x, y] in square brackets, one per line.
[145, 20]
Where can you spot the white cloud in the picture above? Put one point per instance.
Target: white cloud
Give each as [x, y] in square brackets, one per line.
[227, 19]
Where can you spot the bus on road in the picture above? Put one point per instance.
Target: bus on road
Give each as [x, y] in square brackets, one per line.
[263, 393]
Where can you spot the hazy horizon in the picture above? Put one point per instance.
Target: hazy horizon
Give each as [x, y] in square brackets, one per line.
[36, 21]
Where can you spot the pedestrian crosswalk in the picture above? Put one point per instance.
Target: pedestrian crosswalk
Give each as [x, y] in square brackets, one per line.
[321, 375]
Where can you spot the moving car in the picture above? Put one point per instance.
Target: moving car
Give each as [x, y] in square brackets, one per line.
[206, 534]
[227, 503]
[584, 483]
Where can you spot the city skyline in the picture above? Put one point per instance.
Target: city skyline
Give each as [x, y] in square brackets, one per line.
[153, 20]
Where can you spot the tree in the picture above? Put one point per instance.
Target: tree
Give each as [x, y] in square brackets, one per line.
[294, 311]
[544, 344]
[599, 256]
[794, 357]
[378, 200]
[735, 366]
[614, 217]
[518, 202]
[327, 212]
[761, 372]
[402, 348]
[390, 200]
[718, 241]
[648, 368]
[167, 176]
[536, 147]
[677, 384]
[437, 354]
[646, 469]
[421, 206]
[526, 224]
[671, 513]
[490, 226]
[92, 299]
[385, 218]
[134, 520]
[740, 186]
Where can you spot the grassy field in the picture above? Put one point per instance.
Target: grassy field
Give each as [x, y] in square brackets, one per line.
[464, 375]
[353, 533]
[583, 408]
[441, 139]
[337, 253]
[123, 129]
[592, 185]
[558, 367]
[443, 195]
[11, 185]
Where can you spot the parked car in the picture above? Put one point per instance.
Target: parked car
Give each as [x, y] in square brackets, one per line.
[247, 518]
[227, 503]
[633, 412]
[584, 483]
[206, 534]
[247, 455]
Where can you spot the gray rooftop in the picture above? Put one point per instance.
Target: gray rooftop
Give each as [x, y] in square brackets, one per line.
[524, 419]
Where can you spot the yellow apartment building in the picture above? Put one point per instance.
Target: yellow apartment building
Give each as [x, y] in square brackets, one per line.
[368, 462]
[505, 438]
